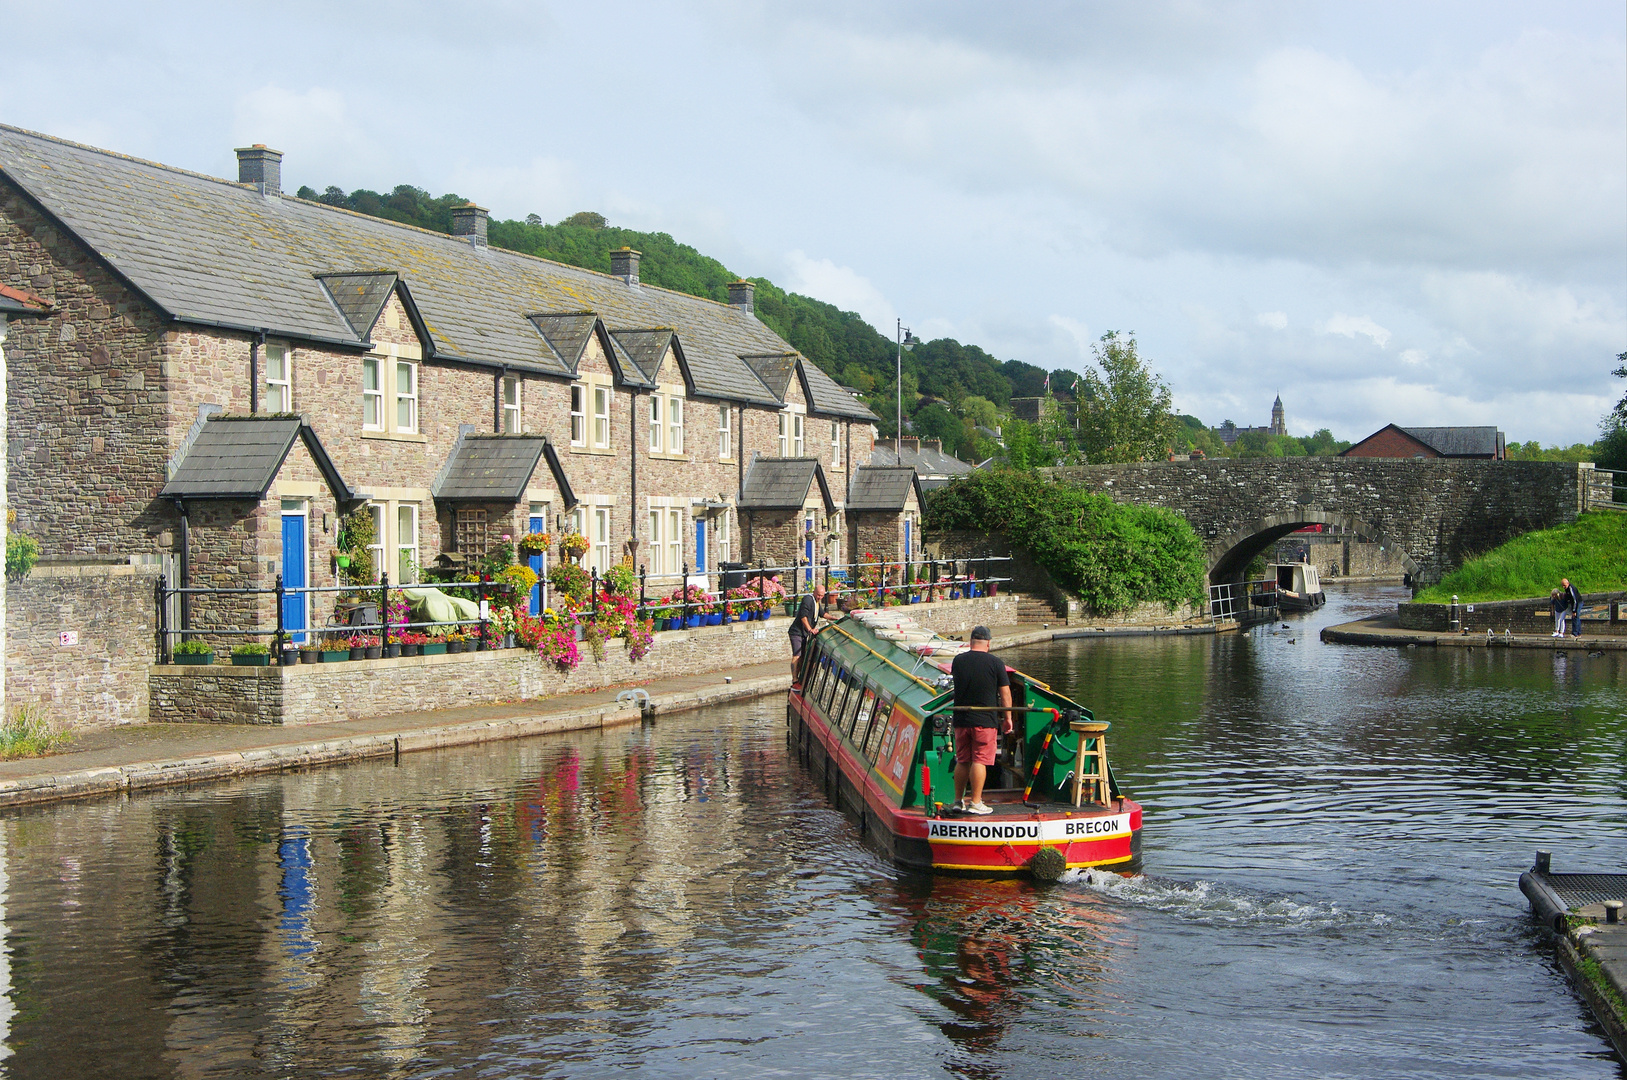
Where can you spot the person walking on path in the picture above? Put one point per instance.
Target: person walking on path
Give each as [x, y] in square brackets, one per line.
[805, 625]
[1573, 600]
[981, 683]
[1560, 605]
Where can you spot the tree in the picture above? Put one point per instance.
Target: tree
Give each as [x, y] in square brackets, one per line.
[1618, 416]
[979, 410]
[937, 422]
[1124, 410]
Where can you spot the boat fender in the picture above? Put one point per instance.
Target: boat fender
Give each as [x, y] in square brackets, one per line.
[1545, 903]
[1047, 864]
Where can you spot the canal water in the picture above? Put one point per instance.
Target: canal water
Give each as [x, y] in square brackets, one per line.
[1332, 840]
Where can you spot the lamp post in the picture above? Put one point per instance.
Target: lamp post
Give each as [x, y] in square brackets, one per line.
[906, 340]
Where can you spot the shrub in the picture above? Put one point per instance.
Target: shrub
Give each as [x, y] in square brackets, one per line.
[27, 733]
[570, 579]
[22, 553]
[1113, 555]
[249, 648]
[193, 647]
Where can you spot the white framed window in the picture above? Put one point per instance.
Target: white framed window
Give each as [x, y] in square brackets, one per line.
[601, 417]
[406, 397]
[406, 544]
[601, 538]
[279, 380]
[579, 415]
[656, 549]
[785, 434]
[725, 435]
[511, 405]
[577, 522]
[675, 425]
[675, 541]
[835, 445]
[377, 548]
[372, 394]
[655, 423]
[721, 538]
[798, 448]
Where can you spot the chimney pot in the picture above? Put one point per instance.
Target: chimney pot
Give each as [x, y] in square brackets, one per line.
[742, 295]
[469, 222]
[261, 167]
[624, 264]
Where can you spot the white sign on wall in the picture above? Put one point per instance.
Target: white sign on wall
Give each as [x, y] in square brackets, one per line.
[68, 637]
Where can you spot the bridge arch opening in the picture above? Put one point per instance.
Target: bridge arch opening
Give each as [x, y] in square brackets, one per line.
[1230, 555]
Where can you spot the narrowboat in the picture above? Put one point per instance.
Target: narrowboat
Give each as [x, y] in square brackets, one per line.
[869, 716]
[1299, 587]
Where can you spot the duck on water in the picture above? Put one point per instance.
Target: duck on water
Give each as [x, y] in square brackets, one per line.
[869, 716]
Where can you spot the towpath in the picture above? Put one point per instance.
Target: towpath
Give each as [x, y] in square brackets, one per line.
[1385, 630]
[112, 761]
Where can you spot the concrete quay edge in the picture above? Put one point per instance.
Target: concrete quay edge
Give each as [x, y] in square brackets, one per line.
[1605, 946]
[1382, 630]
[151, 773]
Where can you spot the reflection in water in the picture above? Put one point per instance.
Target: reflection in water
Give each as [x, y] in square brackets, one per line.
[1331, 839]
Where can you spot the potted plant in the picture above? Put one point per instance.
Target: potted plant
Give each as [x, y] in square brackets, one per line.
[193, 651]
[310, 653]
[434, 644]
[251, 654]
[535, 543]
[455, 641]
[290, 654]
[573, 546]
[393, 649]
[335, 649]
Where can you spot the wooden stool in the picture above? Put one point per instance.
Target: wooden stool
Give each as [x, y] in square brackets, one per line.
[1101, 788]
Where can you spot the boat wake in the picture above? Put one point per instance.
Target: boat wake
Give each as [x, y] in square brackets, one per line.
[1209, 903]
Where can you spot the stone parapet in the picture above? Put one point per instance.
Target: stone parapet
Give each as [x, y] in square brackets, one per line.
[1533, 616]
[353, 690]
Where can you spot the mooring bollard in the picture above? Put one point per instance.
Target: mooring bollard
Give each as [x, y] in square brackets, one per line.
[1612, 911]
[1544, 860]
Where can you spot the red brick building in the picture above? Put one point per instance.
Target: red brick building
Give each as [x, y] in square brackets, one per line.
[1391, 441]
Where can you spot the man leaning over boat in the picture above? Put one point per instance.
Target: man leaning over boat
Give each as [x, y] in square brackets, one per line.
[805, 626]
[982, 715]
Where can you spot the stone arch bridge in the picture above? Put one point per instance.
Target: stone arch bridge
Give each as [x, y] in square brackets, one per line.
[1435, 512]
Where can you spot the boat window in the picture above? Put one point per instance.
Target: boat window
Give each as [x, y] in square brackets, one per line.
[862, 723]
[838, 691]
[850, 708]
[821, 672]
[878, 724]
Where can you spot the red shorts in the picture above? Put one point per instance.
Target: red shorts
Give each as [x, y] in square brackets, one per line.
[976, 745]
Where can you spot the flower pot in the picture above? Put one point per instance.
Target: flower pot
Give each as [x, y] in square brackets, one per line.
[479, 646]
[358, 653]
[693, 622]
[435, 648]
[727, 618]
[310, 656]
[581, 634]
[290, 655]
[410, 649]
[392, 650]
[373, 652]
[195, 658]
[714, 619]
[333, 656]
[260, 660]
[508, 641]
[454, 647]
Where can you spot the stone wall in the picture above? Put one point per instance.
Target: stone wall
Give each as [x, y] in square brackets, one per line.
[101, 679]
[314, 693]
[1533, 616]
[1342, 560]
[1435, 512]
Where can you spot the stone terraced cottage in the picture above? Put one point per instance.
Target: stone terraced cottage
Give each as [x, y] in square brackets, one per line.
[227, 370]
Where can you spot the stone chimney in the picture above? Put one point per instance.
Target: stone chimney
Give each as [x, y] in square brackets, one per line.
[469, 223]
[911, 442]
[624, 264]
[742, 295]
[261, 167]
[935, 445]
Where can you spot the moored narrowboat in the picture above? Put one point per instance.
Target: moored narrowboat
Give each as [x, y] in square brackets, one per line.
[870, 716]
[1299, 587]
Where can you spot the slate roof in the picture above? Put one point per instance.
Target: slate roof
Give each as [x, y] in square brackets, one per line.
[782, 484]
[927, 462]
[359, 297]
[1457, 441]
[17, 303]
[883, 488]
[211, 252]
[774, 369]
[567, 335]
[489, 468]
[826, 395]
[644, 348]
[239, 457]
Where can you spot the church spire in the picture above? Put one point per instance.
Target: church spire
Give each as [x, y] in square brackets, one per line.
[1279, 419]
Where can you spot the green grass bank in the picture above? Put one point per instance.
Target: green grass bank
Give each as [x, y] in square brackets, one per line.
[1591, 551]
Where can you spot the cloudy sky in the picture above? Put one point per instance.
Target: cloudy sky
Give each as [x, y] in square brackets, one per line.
[1402, 212]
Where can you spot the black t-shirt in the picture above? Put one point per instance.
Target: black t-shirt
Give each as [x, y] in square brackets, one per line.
[978, 678]
[806, 610]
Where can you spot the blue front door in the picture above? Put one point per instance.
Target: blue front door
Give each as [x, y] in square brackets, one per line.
[700, 545]
[537, 525]
[907, 524]
[293, 574]
[808, 547]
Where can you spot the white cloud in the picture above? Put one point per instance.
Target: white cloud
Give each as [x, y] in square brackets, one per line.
[1351, 325]
[1077, 332]
[843, 286]
[1414, 356]
[1274, 320]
